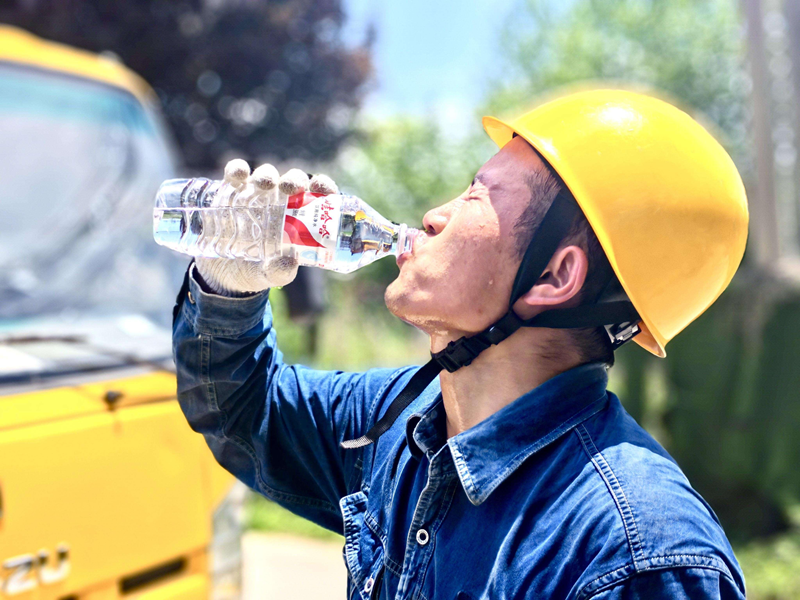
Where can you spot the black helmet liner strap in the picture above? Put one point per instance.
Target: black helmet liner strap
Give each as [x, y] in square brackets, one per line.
[619, 317]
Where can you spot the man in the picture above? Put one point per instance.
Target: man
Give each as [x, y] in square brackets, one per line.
[605, 215]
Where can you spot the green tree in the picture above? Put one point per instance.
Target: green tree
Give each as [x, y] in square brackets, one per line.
[692, 50]
[258, 79]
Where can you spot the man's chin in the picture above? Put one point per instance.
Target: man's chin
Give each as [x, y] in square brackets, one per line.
[393, 299]
[399, 302]
[409, 306]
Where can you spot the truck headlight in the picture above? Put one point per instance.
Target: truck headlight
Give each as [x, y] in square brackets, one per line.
[226, 546]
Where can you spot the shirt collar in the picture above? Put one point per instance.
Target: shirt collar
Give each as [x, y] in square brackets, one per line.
[486, 454]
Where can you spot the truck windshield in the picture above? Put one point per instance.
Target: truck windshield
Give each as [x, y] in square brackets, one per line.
[79, 165]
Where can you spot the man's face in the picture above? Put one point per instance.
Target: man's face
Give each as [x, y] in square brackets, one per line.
[459, 276]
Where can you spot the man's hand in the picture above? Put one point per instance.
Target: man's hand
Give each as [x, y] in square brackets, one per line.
[239, 276]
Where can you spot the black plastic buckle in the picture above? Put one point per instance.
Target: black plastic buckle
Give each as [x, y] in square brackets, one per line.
[460, 353]
[619, 334]
[464, 350]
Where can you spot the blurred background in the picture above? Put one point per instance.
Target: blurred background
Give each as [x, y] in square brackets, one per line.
[386, 97]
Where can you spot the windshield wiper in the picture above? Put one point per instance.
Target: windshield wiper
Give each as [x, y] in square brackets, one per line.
[123, 359]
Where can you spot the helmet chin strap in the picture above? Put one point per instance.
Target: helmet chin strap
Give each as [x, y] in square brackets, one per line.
[611, 309]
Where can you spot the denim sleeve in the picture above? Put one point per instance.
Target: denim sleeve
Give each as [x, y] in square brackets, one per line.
[684, 583]
[274, 426]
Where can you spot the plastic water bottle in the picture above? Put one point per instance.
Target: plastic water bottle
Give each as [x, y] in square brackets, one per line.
[215, 219]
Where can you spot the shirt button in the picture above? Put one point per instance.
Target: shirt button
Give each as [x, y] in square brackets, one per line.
[368, 585]
[422, 537]
[190, 297]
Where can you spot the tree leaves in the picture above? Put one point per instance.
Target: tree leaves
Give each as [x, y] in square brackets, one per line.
[258, 79]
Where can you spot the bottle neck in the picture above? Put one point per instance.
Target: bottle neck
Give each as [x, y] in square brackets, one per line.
[403, 238]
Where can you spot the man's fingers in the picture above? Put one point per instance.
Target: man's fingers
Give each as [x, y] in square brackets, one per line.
[265, 177]
[322, 184]
[294, 181]
[237, 171]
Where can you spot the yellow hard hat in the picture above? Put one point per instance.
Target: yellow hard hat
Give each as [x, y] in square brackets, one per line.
[663, 197]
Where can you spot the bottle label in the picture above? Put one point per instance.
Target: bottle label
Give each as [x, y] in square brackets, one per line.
[311, 227]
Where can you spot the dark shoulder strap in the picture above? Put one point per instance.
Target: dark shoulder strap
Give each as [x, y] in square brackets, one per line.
[415, 386]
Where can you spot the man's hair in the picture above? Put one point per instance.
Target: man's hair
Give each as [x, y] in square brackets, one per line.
[544, 185]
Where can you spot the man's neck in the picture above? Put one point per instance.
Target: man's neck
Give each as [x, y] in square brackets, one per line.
[503, 373]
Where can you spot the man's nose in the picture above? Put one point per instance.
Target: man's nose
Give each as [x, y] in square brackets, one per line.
[434, 221]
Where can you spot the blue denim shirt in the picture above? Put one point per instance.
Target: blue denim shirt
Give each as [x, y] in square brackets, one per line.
[560, 494]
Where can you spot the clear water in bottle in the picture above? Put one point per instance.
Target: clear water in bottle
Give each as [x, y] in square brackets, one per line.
[215, 219]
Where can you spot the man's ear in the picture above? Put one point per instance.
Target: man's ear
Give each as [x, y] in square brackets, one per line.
[560, 283]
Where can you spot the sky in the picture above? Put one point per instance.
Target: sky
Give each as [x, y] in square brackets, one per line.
[430, 56]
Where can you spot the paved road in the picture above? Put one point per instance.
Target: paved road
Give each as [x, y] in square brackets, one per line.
[283, 566]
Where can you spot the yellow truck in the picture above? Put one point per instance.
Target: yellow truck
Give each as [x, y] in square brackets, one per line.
[104, 490]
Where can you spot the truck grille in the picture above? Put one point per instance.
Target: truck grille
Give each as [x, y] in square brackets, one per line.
[143, 578]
